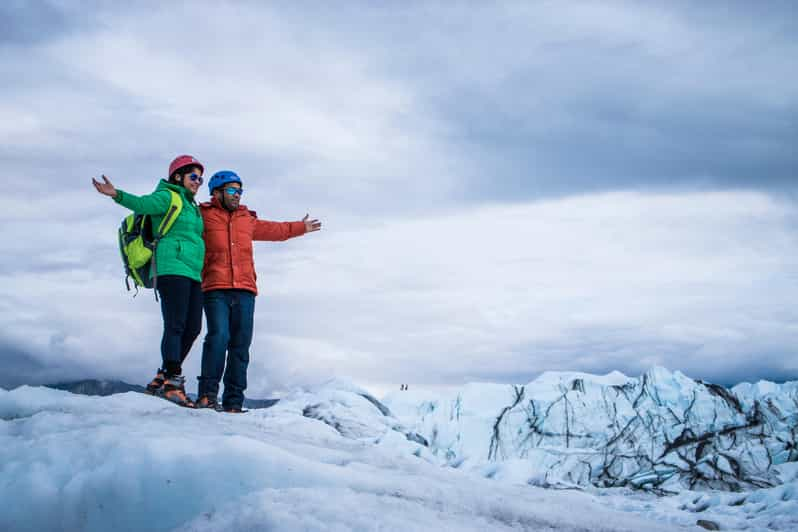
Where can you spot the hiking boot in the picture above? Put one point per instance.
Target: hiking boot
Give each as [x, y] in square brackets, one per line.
[209, 402]
[235, 410]
[156, 384]
[174, 390]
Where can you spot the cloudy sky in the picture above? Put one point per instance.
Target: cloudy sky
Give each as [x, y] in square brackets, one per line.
[505, 189]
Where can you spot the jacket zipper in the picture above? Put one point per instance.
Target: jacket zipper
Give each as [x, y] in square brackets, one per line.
[230, 235]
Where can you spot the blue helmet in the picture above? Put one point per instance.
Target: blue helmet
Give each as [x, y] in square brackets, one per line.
[221, 178]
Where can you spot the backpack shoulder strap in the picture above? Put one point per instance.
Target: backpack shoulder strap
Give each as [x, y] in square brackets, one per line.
[175, 206]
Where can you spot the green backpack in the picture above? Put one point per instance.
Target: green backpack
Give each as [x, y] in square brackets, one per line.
[138, 241]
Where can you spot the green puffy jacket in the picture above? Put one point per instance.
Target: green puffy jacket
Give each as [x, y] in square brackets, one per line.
[182, 250]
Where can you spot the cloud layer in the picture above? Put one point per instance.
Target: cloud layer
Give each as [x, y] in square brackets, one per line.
[702, 282]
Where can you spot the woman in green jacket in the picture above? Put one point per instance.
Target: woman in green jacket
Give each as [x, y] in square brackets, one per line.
[179, 257]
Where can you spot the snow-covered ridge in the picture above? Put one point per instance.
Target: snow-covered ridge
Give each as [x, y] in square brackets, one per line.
[613, 378]
[662, 431]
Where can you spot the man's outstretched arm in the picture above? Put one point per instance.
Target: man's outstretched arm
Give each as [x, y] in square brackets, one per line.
[278, 231]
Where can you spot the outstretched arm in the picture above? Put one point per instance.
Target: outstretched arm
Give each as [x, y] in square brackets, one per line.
[278, 231]
[106, 188]
[155, 203]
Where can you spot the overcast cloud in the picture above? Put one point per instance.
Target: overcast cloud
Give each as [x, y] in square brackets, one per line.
[505, 189]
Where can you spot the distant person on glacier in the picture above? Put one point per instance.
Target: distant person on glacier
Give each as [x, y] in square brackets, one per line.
[229, 287]
[179, 256]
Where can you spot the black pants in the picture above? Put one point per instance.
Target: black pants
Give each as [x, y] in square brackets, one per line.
[181, 307]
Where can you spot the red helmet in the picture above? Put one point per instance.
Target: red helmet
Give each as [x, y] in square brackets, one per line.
[184, 160]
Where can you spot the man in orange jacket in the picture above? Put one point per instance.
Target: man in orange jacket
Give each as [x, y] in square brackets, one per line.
[229, 287]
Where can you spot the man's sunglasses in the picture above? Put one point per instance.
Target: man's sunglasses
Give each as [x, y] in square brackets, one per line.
[233, 191]
[196, 177]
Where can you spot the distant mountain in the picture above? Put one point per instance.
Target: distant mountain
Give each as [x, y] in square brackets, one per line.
[104, 388]
[96, 387]
[260, 403]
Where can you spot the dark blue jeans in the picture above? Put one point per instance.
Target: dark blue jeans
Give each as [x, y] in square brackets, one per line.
[230, 315]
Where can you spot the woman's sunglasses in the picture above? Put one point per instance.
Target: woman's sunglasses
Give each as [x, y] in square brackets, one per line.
[196, 177]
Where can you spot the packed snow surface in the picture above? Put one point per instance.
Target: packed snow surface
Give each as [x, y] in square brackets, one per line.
[336, 458]
[134, 462]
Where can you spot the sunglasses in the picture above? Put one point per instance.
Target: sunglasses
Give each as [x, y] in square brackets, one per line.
[196, 177]
[233, 191]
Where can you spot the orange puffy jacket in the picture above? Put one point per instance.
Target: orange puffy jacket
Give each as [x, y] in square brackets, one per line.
[228, 245]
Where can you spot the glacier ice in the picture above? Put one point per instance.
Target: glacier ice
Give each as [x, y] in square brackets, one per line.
[663, 432]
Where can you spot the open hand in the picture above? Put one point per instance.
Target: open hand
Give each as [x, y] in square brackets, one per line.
[311, 225]
[105, 188]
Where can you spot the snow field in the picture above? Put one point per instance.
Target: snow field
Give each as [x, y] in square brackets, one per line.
[134, 462]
